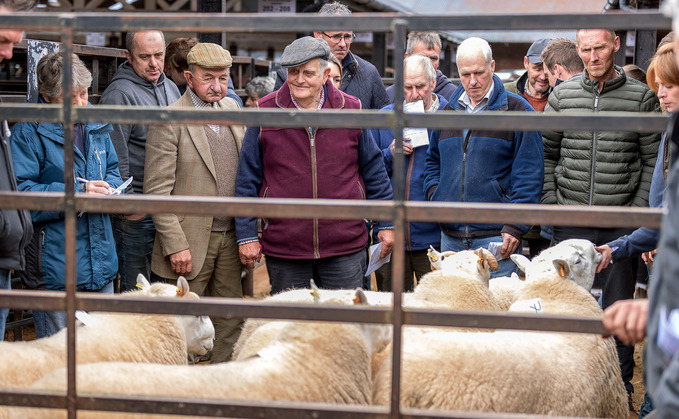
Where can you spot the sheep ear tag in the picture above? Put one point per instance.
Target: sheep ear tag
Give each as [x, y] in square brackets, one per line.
[84, 317]
[359, 297]
[182, 287]
[315, 292]
[142, 282]
[561, 267]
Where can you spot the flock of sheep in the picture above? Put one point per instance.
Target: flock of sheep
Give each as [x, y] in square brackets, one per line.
[565, 374]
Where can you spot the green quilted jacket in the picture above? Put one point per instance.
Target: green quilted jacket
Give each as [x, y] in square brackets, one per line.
[600, 167]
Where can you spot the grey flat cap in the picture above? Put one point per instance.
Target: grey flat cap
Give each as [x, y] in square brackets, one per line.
[535, 50]
[303, 50]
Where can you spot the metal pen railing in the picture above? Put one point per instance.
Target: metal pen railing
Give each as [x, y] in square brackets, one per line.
[398, 210]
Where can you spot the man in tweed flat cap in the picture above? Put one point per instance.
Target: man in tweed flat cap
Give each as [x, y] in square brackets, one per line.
[200, 160]
[311, 163]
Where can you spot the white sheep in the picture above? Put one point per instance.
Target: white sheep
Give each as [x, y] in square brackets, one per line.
[459, 286]
[519, 372]
[574, 259]
[127, 337]
[257, 333]
[326, 362]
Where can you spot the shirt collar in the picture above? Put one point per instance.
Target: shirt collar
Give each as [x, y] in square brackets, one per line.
[200, 103]
[320, 102]
[467, 103]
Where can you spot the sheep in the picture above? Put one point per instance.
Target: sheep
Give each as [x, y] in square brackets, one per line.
[327, 362]
[459, 286]
[573, 259]
[442, 261]
[128, 337]
[257, 333]
[516, 372]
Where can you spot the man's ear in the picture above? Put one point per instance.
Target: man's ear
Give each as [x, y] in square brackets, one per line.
[326, 73]
[189, 79]
[318, 35]
[127, 55]
[617, 43]
[526, 64]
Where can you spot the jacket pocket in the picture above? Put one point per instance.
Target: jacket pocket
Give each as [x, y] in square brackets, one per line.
[33, 277]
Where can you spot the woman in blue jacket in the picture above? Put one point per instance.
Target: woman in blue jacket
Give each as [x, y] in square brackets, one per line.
[38, 156]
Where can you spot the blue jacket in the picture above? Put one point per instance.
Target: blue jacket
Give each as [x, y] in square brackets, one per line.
[38, 155]
[487, 166]
[418, 235]
[643, 239]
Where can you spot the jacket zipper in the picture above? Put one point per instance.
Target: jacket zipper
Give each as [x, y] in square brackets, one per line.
[464, 170]
[594, 141]
[409, 173]
[314, 187]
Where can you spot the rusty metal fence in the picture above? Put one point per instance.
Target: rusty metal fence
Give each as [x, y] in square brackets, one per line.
[398, 210]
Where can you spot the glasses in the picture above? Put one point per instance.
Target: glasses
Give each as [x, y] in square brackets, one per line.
[348, 38]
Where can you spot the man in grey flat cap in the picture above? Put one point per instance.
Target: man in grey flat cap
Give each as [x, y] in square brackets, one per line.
[199, 160]
[311, 163]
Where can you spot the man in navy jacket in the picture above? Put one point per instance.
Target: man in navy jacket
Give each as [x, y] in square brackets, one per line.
[469, 165]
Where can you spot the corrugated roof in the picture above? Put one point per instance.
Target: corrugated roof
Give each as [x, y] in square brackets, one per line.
[472, 7]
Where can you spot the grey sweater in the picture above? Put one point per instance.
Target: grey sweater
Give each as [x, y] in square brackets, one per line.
[127, 88]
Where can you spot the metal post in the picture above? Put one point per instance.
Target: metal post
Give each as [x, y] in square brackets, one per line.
[397, 254]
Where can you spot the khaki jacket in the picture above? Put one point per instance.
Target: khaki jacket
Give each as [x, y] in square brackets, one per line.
[179, 162]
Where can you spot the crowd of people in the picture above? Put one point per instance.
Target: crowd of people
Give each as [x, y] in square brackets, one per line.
[320, 72]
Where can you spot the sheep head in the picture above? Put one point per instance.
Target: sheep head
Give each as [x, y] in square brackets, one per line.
[436, 258]
[573, 259]
[477, 263]
[377, 336]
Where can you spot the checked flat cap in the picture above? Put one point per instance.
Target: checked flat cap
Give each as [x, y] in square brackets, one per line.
[208, 55]
[303, 50]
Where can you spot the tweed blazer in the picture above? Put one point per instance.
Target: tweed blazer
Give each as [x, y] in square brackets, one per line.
[179, 162]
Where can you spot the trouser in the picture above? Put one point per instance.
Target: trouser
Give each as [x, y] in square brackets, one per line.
[338, 272]
[5, 284]
[134, 246]
[48, 323]
[416, 263]
[505, 266]
[617, 282]
[220, 276]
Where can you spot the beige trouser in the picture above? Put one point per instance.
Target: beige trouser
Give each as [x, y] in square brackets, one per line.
[220, 276]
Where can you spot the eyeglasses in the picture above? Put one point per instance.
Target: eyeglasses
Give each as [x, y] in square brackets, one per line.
[348, 38]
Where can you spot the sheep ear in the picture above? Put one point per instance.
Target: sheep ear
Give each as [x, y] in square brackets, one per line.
[434, 258]
[182, 287]
[561, 267]
[521, 261]
[142, 282]
[315, 292]
[360, 298]
[486, 258]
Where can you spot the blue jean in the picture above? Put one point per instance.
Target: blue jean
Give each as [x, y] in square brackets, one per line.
[5, 284]
[505, 266]
[48, 323]
[339, 272]
[134, 245]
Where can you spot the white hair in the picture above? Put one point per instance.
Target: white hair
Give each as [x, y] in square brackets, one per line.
[671, 9]
[472, 47]
[419, 63]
